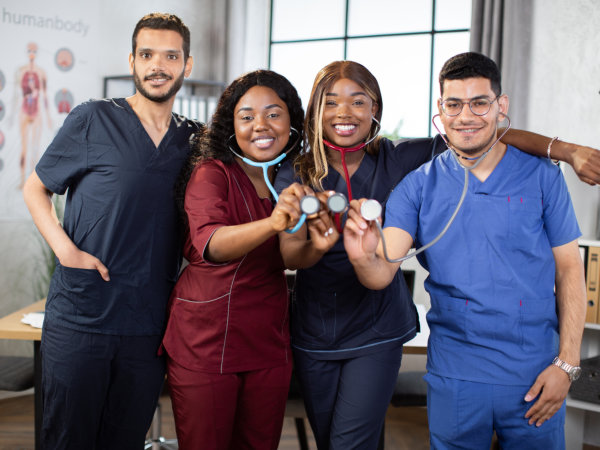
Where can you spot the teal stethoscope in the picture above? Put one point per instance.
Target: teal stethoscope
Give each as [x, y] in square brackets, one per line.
[372, 209]
[265, 166]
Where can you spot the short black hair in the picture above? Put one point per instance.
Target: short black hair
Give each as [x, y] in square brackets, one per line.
[162, 21]
[471, 65]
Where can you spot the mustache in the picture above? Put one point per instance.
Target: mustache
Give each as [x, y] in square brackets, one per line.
[157, 75]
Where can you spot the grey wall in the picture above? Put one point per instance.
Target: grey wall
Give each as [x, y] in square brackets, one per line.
[557, 61]
[21, 248]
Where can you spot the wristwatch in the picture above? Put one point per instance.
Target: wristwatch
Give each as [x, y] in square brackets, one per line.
[573, 371]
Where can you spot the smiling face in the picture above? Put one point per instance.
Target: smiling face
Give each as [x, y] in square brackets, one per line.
[347, 114]
[158, 66]
[261, 122]
[468, 133]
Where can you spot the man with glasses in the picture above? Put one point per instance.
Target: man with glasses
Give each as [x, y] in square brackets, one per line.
[504, 344]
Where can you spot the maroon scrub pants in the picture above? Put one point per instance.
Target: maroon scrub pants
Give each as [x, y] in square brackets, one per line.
[228, 411]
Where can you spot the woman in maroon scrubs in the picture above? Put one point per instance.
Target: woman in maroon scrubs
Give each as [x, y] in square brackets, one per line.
[227, 338]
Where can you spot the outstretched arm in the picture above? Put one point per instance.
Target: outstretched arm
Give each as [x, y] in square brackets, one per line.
[584, 160]
[234, 241]
[365, 249]
[552, 385]
[39, 203]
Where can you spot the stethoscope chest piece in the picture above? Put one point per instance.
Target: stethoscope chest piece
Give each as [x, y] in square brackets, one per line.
[309, 204]
[337, 203]
[371, 210]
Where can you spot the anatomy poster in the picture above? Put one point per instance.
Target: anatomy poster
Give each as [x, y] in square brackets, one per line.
[50, 70]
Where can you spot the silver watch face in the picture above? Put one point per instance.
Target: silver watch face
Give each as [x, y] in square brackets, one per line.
[575, 373]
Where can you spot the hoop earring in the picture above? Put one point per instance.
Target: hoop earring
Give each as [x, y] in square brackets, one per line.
[296, 142]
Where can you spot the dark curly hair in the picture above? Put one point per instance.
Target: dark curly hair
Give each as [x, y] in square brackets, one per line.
[212, 144]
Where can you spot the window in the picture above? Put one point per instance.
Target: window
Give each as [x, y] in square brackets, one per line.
[402, 42]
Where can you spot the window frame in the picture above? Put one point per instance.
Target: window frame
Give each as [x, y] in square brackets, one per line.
[432, 32]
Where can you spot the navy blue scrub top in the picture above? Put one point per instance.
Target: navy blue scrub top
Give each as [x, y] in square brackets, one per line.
[333, 315]
[120, 208]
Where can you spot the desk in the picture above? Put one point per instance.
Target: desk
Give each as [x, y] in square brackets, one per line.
[11, 327]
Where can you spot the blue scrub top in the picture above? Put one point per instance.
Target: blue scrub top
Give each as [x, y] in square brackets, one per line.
[333, 315]
[120, 208]
[491, 277]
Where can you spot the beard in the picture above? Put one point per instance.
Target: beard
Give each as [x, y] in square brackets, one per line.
[158, 98]
[472, 149]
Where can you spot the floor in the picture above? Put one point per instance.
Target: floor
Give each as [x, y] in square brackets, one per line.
[406, 428]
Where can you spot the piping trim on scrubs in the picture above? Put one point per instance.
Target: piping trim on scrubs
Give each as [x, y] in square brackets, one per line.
[265, 166]
[343, 151]
[371, 207]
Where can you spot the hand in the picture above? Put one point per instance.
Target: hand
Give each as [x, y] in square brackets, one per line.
[554, 384]
[78, 259]
[361, 237]
[586, 163]
[321, 226]
[286, 213]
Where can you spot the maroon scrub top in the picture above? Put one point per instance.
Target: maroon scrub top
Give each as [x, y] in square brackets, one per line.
[227, 317]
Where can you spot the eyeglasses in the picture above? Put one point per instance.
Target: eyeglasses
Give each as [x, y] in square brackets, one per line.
[479, 106]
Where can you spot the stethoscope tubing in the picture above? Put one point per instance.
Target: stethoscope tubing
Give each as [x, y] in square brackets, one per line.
[467, 169]
[265, 167]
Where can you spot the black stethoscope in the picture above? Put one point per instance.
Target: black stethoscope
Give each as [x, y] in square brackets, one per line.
[265, 167]
[372, 209]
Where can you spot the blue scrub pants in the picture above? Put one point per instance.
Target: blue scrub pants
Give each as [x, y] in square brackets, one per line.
[346, 400]
[99, 391]
[464, 415]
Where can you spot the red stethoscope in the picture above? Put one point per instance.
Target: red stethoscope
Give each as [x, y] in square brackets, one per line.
[343, 151]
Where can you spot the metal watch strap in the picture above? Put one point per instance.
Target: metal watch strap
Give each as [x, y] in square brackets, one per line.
[568, 368]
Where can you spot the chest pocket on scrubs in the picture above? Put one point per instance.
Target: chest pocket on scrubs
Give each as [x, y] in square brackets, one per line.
[525, 216]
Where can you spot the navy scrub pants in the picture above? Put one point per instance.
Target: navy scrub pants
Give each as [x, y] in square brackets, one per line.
[99, 391]
[346, 400]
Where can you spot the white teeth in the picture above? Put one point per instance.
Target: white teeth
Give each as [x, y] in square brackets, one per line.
[345, 127]
[263, 141]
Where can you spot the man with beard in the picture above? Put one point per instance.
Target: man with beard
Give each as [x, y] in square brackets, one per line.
[118, 251]
[506, 281]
